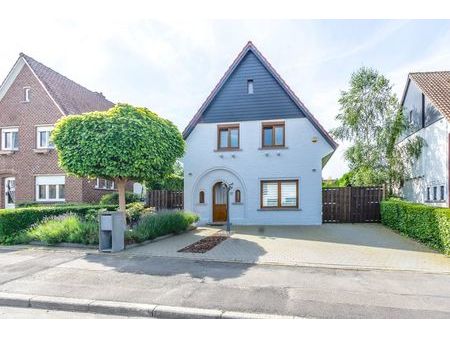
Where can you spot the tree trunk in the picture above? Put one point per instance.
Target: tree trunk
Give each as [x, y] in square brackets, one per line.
[121, 184]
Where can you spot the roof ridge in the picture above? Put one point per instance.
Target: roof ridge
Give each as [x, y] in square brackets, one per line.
[430, 72]
[58, 73]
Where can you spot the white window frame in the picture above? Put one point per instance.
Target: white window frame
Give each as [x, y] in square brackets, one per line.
[9, 130]
[44, 129]
[105, 185]
[47, 181]
[26, 94]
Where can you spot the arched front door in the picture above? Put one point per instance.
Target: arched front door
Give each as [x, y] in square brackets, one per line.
[219, 203]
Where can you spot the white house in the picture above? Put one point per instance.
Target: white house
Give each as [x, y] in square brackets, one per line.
[426, 103]
[254, 132]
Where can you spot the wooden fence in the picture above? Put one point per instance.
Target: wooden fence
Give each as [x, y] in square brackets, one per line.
[351, 204]
[163, 199]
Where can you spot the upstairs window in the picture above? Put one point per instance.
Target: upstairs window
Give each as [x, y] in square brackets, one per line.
[44, 137]
[26, 94]
[250, 87]
[273, 135]
[10, 139]
[228, 137]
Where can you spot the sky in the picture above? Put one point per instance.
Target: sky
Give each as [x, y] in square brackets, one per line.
[170, 66]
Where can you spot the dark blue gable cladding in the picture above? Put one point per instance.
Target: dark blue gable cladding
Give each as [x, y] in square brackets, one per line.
[272, 97]
[269, 100]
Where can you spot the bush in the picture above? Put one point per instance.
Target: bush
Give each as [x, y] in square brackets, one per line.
[134, 212]
[51, 205]
[13, 222]
[68, 228]
[430, 225]
[163, 223]
[113, 198]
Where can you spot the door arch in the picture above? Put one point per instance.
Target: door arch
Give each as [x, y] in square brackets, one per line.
[219, 204]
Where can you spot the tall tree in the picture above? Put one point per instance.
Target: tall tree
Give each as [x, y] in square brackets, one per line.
[371, 119]
[124, 143]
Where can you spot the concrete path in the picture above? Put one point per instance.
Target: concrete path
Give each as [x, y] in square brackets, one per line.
[234, 287]
[364, 246]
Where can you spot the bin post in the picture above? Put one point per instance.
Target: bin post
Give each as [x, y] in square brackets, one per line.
[111, 231]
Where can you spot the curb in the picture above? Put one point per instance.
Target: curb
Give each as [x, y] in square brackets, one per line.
[125, 309]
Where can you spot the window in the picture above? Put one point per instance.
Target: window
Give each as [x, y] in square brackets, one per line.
[279, 194]
[104, 184]
[43, 137]
[50, 188]
[237, 196]
[273, 135]
[26, 94]
[434, 193]
[442, 192]
[201, 197]
[428, 194]
[250, 87]
[10, 139]
[411, 121]
[228, 137]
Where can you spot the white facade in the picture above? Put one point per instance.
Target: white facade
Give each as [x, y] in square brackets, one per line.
[430, 171]
[300, 159]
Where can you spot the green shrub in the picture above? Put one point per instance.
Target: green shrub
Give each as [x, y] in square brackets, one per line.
[13, 222]
[113, 198]
[68, 228]
[430, 225]
[134, 212]
[51, 205]
[159, 224]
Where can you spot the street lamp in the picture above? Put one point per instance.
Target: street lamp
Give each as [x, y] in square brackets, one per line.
[228, 186]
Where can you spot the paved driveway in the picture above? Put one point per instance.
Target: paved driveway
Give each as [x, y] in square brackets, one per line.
[370, 246]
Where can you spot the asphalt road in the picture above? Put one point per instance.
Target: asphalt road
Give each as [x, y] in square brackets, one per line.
[300, 291]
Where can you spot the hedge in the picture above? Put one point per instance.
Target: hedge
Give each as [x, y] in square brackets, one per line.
[430, 225]
[14, 221]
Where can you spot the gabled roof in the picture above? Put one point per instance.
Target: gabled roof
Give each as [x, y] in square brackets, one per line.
[69, 96]
[435, 86]
[249, 47]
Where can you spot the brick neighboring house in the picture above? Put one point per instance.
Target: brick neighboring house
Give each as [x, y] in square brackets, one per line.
[32, 98]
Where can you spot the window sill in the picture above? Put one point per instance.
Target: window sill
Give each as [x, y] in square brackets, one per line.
[105, 189]
[227, 150]
[51, 201]
[42, 150]
[279, 209]
[201, 204]
[273, 148]
[8, 152]
[237, 203]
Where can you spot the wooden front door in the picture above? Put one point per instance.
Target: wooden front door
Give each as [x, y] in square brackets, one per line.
[219, 203]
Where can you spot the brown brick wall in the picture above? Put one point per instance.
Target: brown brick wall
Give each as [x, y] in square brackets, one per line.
[25, 164]
[93, 195]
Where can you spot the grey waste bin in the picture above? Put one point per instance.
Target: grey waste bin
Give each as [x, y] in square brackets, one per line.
[112, 231]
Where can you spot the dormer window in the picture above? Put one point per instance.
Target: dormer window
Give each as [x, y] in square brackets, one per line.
[250, 87]
[26, 94]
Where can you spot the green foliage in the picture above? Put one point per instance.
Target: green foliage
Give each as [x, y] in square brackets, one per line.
[344, 181]
[154, 225]
[124, 142]
[113, 198]
[372, 120]
[173, 181]
[430, 225]
[13, 222]
[50, 205]
[67, 228]
[134, 212]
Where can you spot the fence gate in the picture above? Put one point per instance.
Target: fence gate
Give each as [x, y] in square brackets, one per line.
[351, 204]
[164, 199]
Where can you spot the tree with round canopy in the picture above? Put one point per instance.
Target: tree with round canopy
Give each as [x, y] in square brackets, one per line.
[122, 144]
